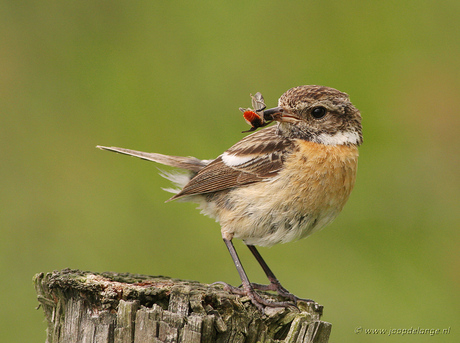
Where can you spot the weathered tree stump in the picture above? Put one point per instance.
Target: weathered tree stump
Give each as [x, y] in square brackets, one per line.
[111, 307]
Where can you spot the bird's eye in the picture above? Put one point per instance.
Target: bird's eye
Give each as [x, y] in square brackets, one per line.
[318, 112]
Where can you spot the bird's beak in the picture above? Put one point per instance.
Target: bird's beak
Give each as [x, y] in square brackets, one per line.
[279, 114]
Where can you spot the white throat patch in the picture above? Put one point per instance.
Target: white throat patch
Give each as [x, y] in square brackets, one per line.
[339, 138]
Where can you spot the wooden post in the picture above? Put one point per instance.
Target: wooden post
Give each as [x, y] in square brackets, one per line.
[126, 308]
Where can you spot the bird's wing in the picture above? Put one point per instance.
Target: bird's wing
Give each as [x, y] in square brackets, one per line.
[256, 157]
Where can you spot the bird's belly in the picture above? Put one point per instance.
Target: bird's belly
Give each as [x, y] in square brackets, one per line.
[305, 196]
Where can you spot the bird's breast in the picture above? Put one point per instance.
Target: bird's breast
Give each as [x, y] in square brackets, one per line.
[320, 177]
[307, 194]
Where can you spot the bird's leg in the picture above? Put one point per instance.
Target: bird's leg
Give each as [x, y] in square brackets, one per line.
[248, 288]
[274, 285]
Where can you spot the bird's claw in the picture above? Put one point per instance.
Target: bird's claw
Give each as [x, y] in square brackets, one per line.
[258, 300]
[276, 287]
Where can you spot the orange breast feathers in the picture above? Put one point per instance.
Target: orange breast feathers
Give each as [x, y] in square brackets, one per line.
[323, 174]
[306, 195]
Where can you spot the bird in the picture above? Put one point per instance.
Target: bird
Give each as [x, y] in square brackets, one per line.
[276, 185]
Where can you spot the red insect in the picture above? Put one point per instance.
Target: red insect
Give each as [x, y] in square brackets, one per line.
[255, 117]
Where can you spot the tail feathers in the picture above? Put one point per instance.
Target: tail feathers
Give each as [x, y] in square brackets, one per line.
[189, 163]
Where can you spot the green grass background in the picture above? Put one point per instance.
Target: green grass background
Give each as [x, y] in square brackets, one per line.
[169, 77]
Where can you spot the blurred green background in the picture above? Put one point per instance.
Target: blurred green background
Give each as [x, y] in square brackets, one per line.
[169, 77]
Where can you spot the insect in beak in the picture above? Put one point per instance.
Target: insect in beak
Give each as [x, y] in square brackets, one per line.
[259, 116]
[253, 119]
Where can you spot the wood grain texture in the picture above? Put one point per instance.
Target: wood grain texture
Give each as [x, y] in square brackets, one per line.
[126, 308]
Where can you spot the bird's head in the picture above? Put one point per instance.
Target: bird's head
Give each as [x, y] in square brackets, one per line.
[320, 114]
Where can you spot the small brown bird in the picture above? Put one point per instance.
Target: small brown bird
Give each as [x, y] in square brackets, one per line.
[279, 184]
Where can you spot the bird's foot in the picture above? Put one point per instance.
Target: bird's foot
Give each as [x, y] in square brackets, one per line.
[256, 299]
[275, 286]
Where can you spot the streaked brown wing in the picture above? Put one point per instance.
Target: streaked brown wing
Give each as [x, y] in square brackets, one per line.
[256, 157]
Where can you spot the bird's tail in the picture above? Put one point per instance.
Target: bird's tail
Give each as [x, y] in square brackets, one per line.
[189, 163]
